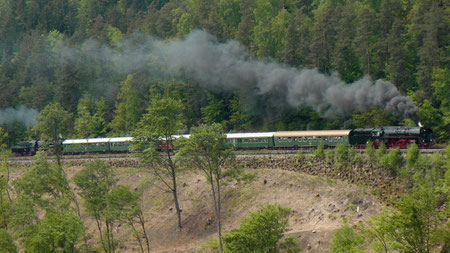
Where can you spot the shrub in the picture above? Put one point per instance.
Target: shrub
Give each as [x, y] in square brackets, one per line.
[347, 239]
[319, 151]
[412, 155]
[369, 152]
[341, 155]
[260, 232]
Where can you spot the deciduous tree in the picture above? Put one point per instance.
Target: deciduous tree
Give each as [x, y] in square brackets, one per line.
[207, 150]
[54, 124]
[156, 131]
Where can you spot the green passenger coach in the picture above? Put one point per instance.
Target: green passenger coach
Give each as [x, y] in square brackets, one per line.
[330, 138]
[97, 145]
[251, 140]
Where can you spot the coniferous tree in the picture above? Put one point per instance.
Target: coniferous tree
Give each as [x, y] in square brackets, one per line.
[128, 108]
[345, 60]
[323, 35]
[364, 40]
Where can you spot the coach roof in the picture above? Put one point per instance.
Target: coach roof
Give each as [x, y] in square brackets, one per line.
[312, 133]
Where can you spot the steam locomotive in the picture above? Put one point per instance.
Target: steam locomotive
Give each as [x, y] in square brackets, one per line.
[391, 136]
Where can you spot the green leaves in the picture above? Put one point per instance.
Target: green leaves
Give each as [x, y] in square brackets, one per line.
[59, 231]
[260, 232]
[346, 239]
[95, 181]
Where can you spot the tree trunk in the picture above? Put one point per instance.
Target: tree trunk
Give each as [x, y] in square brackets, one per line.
[99, 226]
[174, 187]
[219, 213]
[136, 232]
[216, 208]
[142, 221]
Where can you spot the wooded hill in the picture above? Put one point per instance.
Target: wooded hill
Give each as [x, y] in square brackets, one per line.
[103, 61]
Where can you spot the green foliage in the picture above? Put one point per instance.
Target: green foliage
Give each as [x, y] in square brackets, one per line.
[59, 231]
[90, 121]
[6, 242]
[319, 151]
[341, 155]
[207, 150]
[157, 127]
[381, 151]
[354, 156]
[216, 111]
[128, 108]
[185, 24]
[122, 203]
[346, 239]
[54, 124]
[392, 160]
[239, 174]
[300, 156]
[260, 232]
[415, 222]
[3, 136]
[412, 155]
[373, 117]
[369, 152]
[95, 181]
[43, 179]
[378, 231]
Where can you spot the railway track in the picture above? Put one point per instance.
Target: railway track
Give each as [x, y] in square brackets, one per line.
[239, 153]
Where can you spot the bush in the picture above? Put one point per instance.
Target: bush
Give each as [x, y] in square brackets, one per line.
[6, 242]
[319, 151]
[412, 155]
[369, 152]
[354, 156]
[329, 155]
[394, 160]
[381, 151]
[347, 239]
[260, 232]
[341, 155]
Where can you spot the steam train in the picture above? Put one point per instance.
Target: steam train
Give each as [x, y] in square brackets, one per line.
[391, 136]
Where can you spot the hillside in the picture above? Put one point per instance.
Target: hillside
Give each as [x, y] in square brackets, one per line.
[317, 205]
[256, 65]
[38, 210]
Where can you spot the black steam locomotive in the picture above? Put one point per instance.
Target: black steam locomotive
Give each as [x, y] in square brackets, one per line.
[392, 136]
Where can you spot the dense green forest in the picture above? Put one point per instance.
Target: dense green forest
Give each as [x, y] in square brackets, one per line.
[255, 65]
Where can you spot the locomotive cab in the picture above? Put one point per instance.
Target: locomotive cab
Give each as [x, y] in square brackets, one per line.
[25, 148]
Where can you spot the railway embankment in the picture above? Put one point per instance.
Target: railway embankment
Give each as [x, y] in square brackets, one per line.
[379, 180]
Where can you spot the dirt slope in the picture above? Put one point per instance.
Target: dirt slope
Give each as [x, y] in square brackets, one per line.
[317, 207]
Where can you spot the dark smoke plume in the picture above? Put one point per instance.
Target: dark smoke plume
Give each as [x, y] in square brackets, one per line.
[19, 114]
[225, 67]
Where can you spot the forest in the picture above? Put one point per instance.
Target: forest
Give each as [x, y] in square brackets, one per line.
[155, 68]
[258, 65]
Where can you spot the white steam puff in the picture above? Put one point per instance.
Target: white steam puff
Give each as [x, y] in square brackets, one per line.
[20, 114]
